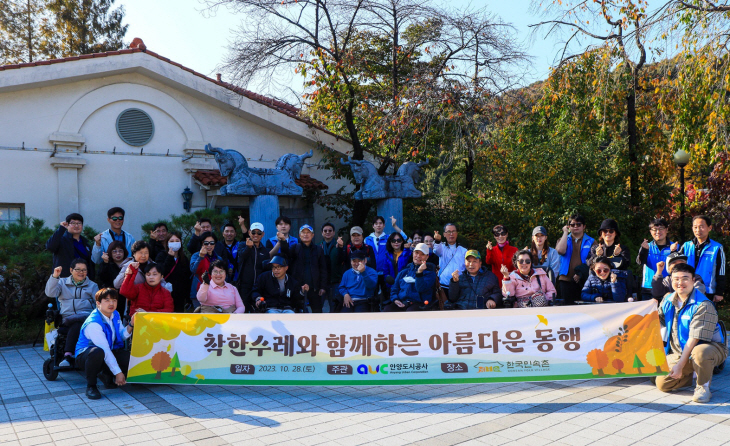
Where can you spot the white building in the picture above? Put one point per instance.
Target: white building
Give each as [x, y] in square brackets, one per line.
[128, 128]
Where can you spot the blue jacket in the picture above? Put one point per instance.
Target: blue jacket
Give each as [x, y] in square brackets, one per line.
[609, 291]
[419, 290]
[403, 260]
[270, 243]
[711, 264]
[378, 244]
[684, 319]
[107, 237]
[96, 317]
[654, 256]
[585, 250]
[357, 285]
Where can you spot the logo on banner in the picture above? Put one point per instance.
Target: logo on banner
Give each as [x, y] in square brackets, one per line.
[368, 370]
[489, 366]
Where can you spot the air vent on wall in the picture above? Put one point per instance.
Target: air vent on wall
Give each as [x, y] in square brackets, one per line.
[135, 127]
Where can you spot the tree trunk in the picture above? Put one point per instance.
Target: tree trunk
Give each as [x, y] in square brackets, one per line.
[633, 142]
[173, 372]
[159, 374]
[470, 171]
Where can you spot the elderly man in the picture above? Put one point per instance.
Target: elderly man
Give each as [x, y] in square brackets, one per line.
[100, 351]
[451, 254]
[251, 257]
[707, 257]
[476, 288]
[358, 284]
[308, 265]
[694, 339]
[277, 292]
[413, 286]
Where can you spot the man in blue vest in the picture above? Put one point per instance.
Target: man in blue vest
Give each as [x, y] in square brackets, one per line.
[574, 247]
[650, 254]
[100, 350]
[707, 257]
[694, 340]
[283, 226]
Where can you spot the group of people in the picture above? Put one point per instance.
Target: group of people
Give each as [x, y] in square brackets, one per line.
[379, 272]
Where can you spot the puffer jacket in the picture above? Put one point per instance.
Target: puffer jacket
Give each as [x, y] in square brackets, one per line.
[464, 294]
[72, 299]
[419, 286]
[141, 295]
[522, 288]
[605, 289]
[389, 269]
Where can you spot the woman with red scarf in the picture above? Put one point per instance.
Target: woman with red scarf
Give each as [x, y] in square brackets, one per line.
[500, 255]
[200, 262]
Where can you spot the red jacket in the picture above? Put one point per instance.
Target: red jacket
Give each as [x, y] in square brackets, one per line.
[151, 299]
[498, 257]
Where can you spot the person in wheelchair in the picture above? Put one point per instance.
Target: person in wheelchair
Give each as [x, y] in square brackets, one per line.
[526, 286]
[75, 295]
[218, 296]
[358, 283]
[603, 284]
[476, 288]
[100, 352]
[277, 292]
[414, 285]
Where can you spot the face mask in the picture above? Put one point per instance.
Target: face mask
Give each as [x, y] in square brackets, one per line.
[175, 246]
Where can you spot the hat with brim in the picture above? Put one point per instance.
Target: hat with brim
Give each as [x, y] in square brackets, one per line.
[278, 260]
[423, 248]
[257, 226]
[609, 223]
[673, 257]
[473, 253]
[360, 255]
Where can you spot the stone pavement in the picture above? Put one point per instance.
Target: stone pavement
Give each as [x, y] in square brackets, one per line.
[611, 412]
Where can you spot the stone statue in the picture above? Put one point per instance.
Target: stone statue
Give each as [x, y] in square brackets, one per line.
[375, 187]
[244, 180]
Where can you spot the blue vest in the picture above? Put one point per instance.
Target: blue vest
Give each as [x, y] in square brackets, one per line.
[380, 250]
[292, 241]
[706, 267]
[585, 250]
[684, 319]
[96, 317]
[655, 256]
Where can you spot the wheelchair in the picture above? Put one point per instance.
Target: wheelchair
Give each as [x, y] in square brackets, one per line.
[56, 346]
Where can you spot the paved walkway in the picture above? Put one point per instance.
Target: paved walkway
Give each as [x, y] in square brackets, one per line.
[611, 412]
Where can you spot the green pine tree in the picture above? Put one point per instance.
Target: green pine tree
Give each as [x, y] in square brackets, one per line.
[175, 364]
[86, 26]
[637, 363]
[24, 30]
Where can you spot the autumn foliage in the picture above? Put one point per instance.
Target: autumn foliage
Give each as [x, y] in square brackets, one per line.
[160, 362]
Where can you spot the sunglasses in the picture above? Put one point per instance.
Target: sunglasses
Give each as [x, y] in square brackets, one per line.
[603, 270]
[575, 225]
[609, 231]
[256, 232]
[397, 240]
[208, 243]
[116, 218]
[524, 261]
[500, 234]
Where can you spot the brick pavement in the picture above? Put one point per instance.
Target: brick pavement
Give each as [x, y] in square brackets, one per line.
[35, 411]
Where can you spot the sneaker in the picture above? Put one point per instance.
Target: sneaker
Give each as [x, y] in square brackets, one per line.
[64, 363]
[107, 380]
[702, 394]
[92, 392]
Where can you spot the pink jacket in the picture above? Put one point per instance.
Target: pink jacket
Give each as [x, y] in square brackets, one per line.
[521, 288]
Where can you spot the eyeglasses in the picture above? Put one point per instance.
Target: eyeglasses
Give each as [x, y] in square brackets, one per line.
[256, 233]
[450, 232]
[681, 279]
[603, 270]
[218, 272]
[75, 223]
[575, 225]
[80, 270]
[524, 261]
[116, 218]
[327, 230]
[609, 231]
[657, 229]
[500, 234]
[117, 251]
[208, 243]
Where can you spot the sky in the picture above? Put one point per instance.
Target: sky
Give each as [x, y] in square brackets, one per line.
[187, 33]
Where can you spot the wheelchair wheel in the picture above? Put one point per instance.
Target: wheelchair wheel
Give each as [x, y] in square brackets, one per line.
[49, 370]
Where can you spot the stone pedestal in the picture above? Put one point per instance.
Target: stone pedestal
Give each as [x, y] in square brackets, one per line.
[264, 209]
[68, 183]
[391, 207]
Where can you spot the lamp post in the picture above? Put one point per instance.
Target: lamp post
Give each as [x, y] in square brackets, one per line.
[187, 195]
[681, 159]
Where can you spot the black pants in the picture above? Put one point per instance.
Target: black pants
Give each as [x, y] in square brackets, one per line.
[72, 332]
[92, 361]
[410, 306]
[316, 302]
[569, 291]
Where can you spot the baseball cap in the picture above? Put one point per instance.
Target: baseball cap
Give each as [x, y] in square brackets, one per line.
[674, 257]
[305, 226]
[258, 226]
[423, 248]
[473, 253]
[358, 255]
[278, 260]
[539, 230]
[356, 230]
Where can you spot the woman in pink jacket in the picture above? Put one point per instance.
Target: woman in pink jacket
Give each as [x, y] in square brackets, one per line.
[529, 286]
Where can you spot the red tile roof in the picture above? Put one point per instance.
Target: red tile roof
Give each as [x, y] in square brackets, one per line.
[213, 178]
[138, 46]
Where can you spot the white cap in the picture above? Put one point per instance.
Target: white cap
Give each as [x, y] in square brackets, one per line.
[423, 248]
[258, 226]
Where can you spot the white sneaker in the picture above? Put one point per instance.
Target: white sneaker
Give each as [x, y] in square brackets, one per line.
[702, 394]
[64, 363]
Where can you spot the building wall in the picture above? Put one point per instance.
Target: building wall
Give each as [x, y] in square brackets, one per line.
[148, 187]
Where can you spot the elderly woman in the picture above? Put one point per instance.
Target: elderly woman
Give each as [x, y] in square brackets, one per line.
[603, 285]
[530, 286]
[200, 263]
[149, 295]
[75, 295]
[176, 269]
[111, 265]
[218, 296]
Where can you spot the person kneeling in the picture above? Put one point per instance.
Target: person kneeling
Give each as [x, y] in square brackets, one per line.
[693, 337]
[413, 286]
[276, 292]
[358, 284]
[100, 351]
